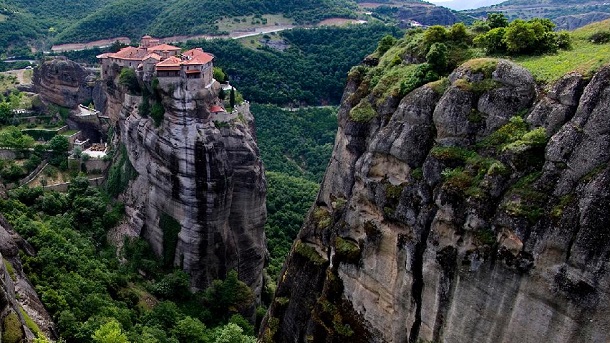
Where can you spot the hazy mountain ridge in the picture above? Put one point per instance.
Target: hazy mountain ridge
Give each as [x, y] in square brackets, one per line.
[569, 14]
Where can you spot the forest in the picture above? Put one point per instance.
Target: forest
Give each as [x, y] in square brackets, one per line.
[311, 72]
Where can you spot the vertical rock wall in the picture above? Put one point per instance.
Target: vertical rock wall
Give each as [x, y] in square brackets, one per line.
[470, 211]
[202, 173]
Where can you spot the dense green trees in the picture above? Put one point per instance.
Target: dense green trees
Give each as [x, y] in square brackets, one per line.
[94, 298]
[295, 147]
[297, 143]
[532, 37]
[134, 18]
[312, 71]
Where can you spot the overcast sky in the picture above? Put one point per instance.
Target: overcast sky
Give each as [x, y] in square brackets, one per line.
[465, 4]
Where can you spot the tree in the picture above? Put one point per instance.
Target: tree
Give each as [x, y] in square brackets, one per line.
[190, 330]
[385, 44]
[496, 20]
[219, 74]
[157, 113]
[232, 97]
[437, 57]
[59, 144]
[129, 79]
[110, 332]
[12, 137]
[231, 333]
[435, 34]
[492, 41]
[5, 112]
[459, 34]
[228, 296]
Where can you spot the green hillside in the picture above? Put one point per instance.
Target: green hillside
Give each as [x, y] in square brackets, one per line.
[118, 18]
[133, 18]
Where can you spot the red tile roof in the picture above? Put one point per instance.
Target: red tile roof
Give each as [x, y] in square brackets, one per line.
[197, 56]
[171, 63]
[130, 53]
[163, 47]
[216, 109]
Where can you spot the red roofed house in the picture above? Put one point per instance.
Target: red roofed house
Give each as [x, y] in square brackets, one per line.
[193, 68]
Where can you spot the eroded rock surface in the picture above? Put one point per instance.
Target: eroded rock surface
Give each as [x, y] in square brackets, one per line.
[477, 213]
[201, 172]
[63, 82]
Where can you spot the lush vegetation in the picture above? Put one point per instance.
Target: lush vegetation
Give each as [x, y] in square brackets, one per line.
[170, 18]
[95, 298]
[295, 147]
[585, 56]
[312, 71]
[296, 143]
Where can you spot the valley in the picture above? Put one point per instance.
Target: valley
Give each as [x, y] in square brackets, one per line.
[312, 179]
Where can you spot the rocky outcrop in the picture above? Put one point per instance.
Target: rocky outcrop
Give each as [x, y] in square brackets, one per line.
[66, 83]
[425, 14]
[199, 192]
[572, 22]
[476, 213]
[21, 311]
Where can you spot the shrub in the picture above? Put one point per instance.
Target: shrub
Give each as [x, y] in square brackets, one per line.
[600, 37]
[129, 79]
[385, 44]
[435, 34]
[12, 331]
[437, 57]
[363, 112]
[157, 113]
[492, 41]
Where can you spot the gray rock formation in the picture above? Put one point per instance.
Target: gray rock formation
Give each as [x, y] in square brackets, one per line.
[66, 83]
[199, 193]
[459, 219]
[572, 22]
[18, 298]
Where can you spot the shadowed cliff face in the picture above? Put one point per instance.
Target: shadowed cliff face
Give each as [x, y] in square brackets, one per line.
[66, 83]
[199, 197]
[471, 210]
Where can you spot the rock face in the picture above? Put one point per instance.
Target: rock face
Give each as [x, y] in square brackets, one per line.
[17, 296]
[476, 213]
[199, 193]
[65, 83]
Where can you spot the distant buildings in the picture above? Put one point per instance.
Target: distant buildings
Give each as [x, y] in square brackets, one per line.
[192, 69]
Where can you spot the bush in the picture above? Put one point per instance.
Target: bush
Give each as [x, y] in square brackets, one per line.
[12, 332]
[363, 112]
[129, 79]
[385, 44]
[600, 37]
[157, 113]
[437, 57]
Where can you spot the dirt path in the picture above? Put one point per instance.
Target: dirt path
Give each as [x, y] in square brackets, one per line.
[20, 74]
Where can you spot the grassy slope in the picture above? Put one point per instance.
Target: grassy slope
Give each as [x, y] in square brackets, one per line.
[585, 57]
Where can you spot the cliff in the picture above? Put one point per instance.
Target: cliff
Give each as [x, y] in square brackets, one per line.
[193, 185]
[65, 83]
[198, 188]
[21, 312]
[473, 209]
